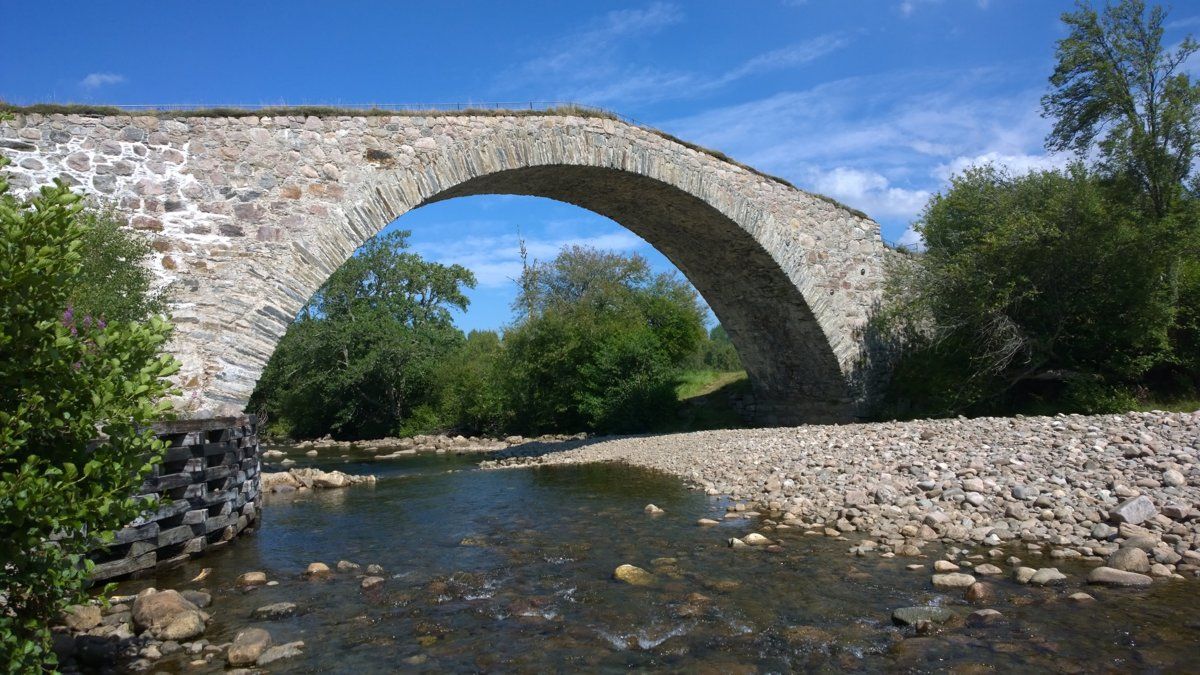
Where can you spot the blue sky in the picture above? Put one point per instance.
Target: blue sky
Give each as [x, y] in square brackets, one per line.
[874, 102]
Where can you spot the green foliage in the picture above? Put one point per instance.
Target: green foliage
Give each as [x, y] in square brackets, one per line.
[1041, 277]
[470, 386]
[66, 380]
[1115, 88]
[719, 353]
[361, 357]
[1066, 291]
[599, 343]
[114, 282]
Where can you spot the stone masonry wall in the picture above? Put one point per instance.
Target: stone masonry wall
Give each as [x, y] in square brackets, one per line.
[249, 215]
[208, 487]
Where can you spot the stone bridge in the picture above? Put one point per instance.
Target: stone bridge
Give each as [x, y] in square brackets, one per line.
[249, 214]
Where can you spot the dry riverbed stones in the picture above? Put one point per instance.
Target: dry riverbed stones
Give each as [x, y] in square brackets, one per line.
[1068, 487]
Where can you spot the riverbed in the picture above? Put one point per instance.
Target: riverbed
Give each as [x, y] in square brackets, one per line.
[512, 571]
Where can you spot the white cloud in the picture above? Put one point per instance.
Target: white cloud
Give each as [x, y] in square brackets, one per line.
[911, 239]
[883, 143]
[97, 80]
[869, 191]
[496, 260]
[1017, 164]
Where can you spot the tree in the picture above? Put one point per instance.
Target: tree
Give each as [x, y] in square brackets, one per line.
[359, 361]
[1026, 279]
[599, 339]
[470, 386]
[1116, 89]
[719, 352]
[77, 395]
[1118, 93]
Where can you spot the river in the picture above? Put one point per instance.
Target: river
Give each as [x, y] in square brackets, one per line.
[512, 571]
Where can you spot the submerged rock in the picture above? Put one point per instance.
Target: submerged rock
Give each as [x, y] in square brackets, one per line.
[251, 579]
[908, 616]
[317, 569]
[276, 610]
[280, 652]
[631, 574]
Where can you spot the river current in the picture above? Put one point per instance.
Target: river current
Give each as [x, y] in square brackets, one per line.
[512, 571]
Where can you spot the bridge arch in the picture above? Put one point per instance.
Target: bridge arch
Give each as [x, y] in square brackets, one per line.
[251, 214]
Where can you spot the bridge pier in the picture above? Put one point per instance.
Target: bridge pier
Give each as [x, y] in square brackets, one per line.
[209, 491]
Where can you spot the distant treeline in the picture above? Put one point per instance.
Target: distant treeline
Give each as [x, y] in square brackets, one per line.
[597, 345]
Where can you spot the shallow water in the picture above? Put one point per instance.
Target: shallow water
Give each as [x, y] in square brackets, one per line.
[511, 570]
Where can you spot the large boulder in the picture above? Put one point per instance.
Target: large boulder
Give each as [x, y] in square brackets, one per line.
[1129, 560]
[167, 615]
[248, 645]
[80, 618]
[1108, 576]
[1134, 511]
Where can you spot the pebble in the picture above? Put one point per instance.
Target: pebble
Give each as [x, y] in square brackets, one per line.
[653, 510]
[945, 566]
[708, 522]
[369, 583]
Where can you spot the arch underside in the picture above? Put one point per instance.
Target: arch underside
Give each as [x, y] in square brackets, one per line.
[792, 368]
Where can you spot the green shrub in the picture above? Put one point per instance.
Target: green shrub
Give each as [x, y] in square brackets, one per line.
[66, 380]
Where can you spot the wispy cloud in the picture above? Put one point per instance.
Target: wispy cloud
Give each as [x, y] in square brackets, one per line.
[882, 143]
[589, 66]
[908, 7]
[788, 57]
[496, 260]
[97, 80]
[1184, 22]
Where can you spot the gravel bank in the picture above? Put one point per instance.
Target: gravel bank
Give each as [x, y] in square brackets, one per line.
[1069, 486]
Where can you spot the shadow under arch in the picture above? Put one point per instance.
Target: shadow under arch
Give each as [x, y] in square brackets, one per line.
[793, 371]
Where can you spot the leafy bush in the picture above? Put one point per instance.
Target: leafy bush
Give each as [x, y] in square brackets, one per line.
[66, 380]
[114, 282]
[1026, 279]
[599, 344]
